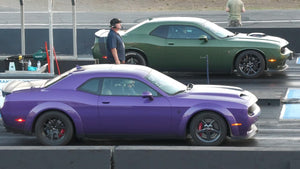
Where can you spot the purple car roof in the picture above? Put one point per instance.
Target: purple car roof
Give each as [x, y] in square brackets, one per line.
[113, 69]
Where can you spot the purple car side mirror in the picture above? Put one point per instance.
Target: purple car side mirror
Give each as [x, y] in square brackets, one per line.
[147, 94]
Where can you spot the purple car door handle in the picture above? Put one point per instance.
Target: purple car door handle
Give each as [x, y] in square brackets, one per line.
[105, 102]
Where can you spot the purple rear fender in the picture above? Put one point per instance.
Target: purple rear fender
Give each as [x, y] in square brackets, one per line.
[54, 106]
[203, 107]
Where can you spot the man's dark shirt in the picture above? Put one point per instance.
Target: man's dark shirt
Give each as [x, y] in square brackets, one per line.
[114, 40]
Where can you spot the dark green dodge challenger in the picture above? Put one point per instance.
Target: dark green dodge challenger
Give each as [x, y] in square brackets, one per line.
[182, 44]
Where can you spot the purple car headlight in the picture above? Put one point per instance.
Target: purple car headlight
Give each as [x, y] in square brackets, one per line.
[253, 110]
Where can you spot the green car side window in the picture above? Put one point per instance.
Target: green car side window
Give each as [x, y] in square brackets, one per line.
[179, 32]
[161, 31]
[185, 32]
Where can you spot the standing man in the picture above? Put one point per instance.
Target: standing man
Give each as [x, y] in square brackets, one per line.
[235, 8]
[114, 43]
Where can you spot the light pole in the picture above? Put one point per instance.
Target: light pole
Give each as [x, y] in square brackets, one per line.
[74, 29]
[22, 28]
[50, 5]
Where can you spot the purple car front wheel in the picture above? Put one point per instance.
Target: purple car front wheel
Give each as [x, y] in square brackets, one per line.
[208, 129]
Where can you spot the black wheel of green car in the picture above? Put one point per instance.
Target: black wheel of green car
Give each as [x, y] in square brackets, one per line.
[54, 128]
[208, 129]
[250, 64]
[135, 58]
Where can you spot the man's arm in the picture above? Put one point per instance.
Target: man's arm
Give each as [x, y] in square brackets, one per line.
[227, 9]
[243, 9]
[115, 55]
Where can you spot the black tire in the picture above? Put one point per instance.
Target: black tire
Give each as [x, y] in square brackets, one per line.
[54, 129]
[208, 129]
[250, 64]
[135, 58]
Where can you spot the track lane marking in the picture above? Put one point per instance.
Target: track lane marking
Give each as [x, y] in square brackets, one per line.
[291, 111]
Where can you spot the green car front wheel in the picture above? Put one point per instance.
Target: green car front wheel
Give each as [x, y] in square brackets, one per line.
[250, 64]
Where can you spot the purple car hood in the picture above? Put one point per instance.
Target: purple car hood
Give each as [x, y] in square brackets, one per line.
[22, 85]
[222, 91]
[216, 90]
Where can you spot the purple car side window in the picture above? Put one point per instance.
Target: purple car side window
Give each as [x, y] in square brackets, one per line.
[125, 87]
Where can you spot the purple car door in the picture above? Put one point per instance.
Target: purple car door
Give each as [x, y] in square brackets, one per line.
[125, 110]
[87, 105]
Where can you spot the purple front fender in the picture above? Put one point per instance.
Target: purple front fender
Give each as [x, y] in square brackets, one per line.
[188, 115]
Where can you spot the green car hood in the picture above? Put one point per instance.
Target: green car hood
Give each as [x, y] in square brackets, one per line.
[261, 37]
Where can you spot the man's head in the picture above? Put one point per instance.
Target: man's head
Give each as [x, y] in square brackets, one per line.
[116, 23]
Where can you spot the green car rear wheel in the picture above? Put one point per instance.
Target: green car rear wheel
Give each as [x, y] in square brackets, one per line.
[135, 58]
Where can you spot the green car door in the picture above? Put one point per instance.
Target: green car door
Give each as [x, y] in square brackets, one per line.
[186, 48]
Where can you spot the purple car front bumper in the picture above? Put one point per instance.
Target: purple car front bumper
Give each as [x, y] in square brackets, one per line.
[249, 129]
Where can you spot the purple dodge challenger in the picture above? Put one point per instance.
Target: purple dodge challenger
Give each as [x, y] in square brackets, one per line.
[127, 101]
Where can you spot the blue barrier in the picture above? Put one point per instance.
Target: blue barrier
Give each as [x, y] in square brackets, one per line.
[291, 111]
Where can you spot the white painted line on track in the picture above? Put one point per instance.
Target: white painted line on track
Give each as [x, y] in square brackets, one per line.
[63, 24]
[16, 137]
[283, 110]
[273, 21]
[279, 130]
[277, 138]
[43, 12]
[287, 93]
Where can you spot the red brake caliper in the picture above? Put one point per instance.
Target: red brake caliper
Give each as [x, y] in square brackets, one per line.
[61, 133]
[200, 127]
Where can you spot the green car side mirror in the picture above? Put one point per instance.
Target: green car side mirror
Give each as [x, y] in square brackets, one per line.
[204, 38]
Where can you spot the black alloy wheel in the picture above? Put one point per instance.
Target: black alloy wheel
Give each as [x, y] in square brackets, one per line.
[250, 64]
[54, 129]
[135, 58]
[208, 129]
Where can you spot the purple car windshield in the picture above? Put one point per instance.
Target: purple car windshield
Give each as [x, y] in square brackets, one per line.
[165, 83]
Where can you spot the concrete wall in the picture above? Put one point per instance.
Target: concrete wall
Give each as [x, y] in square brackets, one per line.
[10, 41]
[205, 158]
[148, 157]
[55, 157]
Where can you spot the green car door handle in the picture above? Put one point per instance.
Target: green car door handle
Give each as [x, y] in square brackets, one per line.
[170, 43]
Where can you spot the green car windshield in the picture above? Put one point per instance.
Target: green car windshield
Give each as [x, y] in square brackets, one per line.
[166, 83]
[217, 30]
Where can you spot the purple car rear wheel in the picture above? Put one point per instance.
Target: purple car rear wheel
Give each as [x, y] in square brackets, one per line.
[208, 129]
[54, 128]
